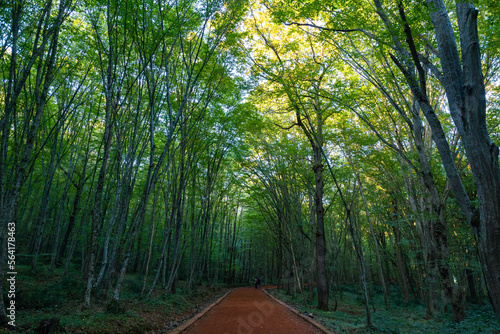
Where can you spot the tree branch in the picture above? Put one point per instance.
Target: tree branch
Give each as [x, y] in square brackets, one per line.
[287, 127]
[413, 49]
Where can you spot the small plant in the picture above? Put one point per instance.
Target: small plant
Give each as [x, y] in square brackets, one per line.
[114, 307]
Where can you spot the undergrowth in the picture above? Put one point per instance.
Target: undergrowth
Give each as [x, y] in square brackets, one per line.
[44, 296]
[350, 316]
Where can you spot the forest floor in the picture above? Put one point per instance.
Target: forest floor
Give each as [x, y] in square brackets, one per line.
[48, 297]
[44, 296]
[350, 316]
[250, 311]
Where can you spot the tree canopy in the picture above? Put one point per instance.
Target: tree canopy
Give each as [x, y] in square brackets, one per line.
[314, 143]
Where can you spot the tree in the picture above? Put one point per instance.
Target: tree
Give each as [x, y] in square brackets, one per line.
[460, 75]
[35, 49]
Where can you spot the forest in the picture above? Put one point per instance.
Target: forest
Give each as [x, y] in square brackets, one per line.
[156, 152]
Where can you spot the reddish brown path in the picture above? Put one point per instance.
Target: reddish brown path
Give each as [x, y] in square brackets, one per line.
[250, 311]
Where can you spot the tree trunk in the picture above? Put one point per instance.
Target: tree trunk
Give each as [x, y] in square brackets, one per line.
[148, 258]
[15, 85]
[463, 82]
[323, 291]
[375, 241]
[469, 275]
[42, 215]
[62, 204]
[399, 255]
[357, 244]
[97, 210]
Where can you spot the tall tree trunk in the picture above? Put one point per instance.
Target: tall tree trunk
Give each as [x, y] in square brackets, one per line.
[357, 244]
[279, 266]
[76, 201]
[463, 83]
[323, 290]
[179, 210]
[374, 237]
[10, 188]
[148, 258]
[42, 215]
[399, 254]
[438, 250]
[62, 205]
[97, 210]
[375, 242]
[469, 275]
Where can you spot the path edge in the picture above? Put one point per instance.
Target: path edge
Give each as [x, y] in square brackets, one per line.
[297, 312]
[197, 317]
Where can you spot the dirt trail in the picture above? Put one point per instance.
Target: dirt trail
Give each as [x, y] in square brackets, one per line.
[250, 311]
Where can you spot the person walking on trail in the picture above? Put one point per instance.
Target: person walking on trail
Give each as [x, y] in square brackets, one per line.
[257, 283]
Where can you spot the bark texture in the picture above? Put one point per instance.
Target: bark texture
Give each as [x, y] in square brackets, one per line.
[465, 90]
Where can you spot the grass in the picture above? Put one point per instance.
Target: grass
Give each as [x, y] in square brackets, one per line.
[350, 316]
[47, 295]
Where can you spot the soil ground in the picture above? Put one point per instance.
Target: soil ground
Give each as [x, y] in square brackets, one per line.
[250, 311]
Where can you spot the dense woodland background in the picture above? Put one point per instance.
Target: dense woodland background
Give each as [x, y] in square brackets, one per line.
[315, 144]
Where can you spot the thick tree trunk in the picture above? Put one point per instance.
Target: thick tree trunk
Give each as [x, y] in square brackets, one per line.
[469, 275]
[464, 85]
[323, 291]
[438, 246]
